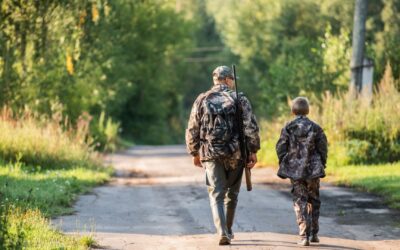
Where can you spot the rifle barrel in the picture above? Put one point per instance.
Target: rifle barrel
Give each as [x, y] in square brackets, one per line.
[242, 142]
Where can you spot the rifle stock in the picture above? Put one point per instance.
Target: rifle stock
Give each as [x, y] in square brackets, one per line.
[247, 174]
[242, 138]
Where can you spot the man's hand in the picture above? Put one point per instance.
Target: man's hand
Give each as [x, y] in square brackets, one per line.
[196, 161]
[252, 160]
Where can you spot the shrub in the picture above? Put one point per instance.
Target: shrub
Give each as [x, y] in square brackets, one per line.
[105, 133]
[369, 129]
[11, 234]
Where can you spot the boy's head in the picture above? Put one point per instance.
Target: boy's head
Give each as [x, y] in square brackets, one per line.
[300, 106]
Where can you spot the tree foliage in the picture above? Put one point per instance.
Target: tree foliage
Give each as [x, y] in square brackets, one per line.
[117, 57]
[291, 48]
[141, 64]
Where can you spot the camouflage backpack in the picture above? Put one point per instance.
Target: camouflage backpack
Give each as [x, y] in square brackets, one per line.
[218, 124]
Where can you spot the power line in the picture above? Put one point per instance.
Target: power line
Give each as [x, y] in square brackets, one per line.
[202, 59]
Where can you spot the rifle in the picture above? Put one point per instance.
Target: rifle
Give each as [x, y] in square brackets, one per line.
[242, 138]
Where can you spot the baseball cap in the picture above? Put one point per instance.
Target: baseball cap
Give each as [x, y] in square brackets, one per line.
[222, 72]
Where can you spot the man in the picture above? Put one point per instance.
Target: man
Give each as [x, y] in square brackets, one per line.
[212, 138]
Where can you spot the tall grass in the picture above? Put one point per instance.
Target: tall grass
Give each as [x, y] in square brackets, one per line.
[270, 132]
[45, 163]
[359, 130]
[45, 142]
[368, 130]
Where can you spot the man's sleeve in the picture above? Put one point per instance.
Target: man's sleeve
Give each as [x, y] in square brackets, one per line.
[250, 126]
[282, 144]
[193, 130]
[322, 145]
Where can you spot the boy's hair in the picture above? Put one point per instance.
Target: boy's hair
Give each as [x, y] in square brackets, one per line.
[300, 106]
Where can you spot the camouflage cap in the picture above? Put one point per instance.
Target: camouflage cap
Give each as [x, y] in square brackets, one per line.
[222, 72]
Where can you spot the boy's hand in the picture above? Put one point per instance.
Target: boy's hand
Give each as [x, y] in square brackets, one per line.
[196, 161]
[252, 160]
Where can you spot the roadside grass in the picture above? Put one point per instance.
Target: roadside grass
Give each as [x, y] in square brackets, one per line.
[45, 142]
[34, 232]
[382, 179]
[33, 196]
[52, 192]
[45, 163]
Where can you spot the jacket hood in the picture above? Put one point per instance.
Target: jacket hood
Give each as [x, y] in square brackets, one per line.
[300, 127]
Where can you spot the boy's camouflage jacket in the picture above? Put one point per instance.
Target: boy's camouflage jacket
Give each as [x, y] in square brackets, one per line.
[196, 145]
[302, 150]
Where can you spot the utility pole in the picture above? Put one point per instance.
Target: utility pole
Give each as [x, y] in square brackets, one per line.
[356, 64]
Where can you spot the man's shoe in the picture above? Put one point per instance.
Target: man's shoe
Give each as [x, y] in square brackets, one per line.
[314, 238]
[224, 240]
[304, 242]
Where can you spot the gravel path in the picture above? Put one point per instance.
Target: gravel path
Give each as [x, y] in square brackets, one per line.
[158, 200]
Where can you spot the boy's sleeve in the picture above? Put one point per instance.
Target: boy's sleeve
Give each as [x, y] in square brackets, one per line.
[250, 126]
[322, 145]
[282, 144]
[192, 136]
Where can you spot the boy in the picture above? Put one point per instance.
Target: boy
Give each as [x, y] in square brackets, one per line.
[302, 152]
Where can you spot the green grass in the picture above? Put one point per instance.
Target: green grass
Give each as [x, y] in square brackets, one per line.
[45, 163]
[383, 179]
[51, 191]
[33, 196]
[35, 232]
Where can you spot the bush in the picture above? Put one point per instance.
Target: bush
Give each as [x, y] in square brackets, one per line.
[11, 236]
[368, 128]
[366, 146]
[105, 133]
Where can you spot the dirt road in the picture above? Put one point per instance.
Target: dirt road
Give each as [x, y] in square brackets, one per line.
[159, 201]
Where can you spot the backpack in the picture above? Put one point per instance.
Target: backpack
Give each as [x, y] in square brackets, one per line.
[218, 124]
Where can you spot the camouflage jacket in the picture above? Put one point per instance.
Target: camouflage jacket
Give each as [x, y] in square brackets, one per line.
[195, 137]
[302, 150]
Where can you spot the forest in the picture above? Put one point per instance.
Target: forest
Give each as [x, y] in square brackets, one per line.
[136, 66]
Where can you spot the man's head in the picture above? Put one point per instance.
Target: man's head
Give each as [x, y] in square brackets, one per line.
[223, 75]
[300, 106]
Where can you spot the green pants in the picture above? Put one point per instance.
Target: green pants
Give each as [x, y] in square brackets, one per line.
[223, 183]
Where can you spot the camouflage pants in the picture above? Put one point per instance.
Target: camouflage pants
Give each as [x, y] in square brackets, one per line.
[306, 205]
[223, 183]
